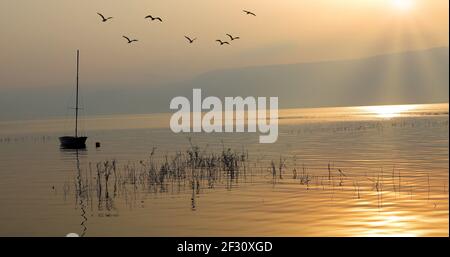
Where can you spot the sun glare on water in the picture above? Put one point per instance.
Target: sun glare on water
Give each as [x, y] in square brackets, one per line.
[388, 111]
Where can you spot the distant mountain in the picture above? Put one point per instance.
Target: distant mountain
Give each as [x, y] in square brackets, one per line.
[408, 77]
[401, 78]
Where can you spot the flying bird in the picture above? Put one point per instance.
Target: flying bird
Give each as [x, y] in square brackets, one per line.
[249, 13]
[232, 38]
[222, 42]
[130, 40]
[153, 18]
[190, 40]
[103, 17]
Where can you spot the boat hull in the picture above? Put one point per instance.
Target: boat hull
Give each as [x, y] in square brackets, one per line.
[73, 142]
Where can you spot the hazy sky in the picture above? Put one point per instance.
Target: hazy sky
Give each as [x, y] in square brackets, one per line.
[39, 38]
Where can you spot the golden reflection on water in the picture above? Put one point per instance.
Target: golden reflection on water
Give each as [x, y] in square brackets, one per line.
[350, 171]
[379, 222]
[389, 111]
[161, 120]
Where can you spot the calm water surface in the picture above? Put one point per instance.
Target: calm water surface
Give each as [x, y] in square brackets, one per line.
[354, 171]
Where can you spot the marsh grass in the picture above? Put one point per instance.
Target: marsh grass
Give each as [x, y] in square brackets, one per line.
[194, 169]
[197, 170]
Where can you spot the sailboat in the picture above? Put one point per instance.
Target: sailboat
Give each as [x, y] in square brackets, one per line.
[74, 142]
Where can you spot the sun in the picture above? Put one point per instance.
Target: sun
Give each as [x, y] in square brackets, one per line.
[402, 5]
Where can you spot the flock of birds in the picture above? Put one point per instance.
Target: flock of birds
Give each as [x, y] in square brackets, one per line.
[190, 39]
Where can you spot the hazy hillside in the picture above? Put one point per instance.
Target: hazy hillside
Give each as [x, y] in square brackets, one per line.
[410, 77]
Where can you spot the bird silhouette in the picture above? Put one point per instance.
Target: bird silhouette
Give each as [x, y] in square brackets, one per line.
[222, 42]
[130, 40]
[153, 18]
[103, 17]
[190, 40]
[249, 13]
[232, 38]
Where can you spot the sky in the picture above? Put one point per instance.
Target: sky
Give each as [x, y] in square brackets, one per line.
[39, 38]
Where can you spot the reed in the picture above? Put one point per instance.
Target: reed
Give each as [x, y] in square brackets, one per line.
[197, 170]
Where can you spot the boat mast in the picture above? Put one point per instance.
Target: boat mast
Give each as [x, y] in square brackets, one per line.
[76, 98]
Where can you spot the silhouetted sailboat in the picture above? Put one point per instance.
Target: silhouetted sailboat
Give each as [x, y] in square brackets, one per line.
[74, 142]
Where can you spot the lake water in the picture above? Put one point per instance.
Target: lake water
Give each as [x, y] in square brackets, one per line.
[352, 171]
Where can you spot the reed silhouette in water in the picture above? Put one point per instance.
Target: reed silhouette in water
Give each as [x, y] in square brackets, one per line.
[198, 171]
[104, 181]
